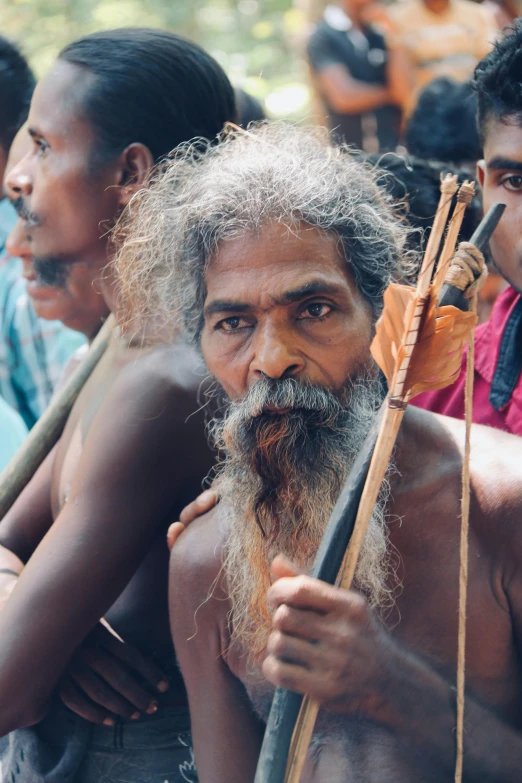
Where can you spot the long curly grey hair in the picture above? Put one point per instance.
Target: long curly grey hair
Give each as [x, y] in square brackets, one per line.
[205, 193]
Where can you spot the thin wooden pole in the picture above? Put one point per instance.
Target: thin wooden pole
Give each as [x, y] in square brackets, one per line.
[465, 194]
[47, 430]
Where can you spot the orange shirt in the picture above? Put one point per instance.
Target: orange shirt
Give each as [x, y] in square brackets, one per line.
[446, 44]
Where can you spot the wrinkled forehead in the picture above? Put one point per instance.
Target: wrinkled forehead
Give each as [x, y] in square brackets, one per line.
[273, 259]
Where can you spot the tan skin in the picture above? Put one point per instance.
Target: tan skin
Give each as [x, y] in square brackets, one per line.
[500, 177]
[392, 683]
[90, 527]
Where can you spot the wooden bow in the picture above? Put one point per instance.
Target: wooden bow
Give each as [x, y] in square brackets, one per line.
[419, 346]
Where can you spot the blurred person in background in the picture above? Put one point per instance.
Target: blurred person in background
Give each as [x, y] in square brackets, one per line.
[441, 38]
[497, 396]
[32, 352]
[443, 125]
[362, 81]
[87, 535]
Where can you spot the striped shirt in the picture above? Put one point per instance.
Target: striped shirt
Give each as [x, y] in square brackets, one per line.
[33, 351]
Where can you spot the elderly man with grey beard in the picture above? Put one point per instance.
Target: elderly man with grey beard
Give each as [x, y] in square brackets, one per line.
[274, 250]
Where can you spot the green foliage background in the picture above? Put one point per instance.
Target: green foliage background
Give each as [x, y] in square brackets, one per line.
[257, 41]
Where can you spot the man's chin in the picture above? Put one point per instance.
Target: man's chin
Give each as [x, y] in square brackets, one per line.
[47, 305]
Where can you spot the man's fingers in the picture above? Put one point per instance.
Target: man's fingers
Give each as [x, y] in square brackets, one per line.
[300, 623]
[283, 567]
[303, 592]
[173, 533]
[199, 506]
[151, 673]
[113, 699]
[289, 649]
[292, 676]
[78, 702]
[116, 676]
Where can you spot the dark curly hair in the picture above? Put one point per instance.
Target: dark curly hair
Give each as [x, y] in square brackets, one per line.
[443, 125]
[498, 81]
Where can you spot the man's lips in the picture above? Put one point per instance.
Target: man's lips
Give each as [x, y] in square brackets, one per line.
[35, 288]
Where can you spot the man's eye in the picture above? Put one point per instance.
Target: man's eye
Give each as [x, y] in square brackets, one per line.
[41, 146]
[231, 324]
[513, 183]
[316, 310]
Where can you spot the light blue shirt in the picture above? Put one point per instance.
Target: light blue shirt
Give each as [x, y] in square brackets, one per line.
[12, 433]
[33, 351]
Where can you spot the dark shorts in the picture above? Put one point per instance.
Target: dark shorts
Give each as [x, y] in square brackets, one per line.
[64, 748]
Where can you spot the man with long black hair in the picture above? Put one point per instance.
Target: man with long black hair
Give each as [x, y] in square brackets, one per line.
[86, 539]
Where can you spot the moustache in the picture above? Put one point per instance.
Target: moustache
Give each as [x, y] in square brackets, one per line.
[269, 397]
[51, 273]
[24, 212]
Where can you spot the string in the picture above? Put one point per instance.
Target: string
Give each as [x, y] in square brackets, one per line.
[464, 551]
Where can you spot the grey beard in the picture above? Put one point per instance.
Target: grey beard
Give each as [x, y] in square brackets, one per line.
[279, 481]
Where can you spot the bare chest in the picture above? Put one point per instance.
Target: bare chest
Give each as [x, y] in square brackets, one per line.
[423, 619]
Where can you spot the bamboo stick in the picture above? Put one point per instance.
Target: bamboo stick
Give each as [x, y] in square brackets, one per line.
[47, 430]
[465, 194]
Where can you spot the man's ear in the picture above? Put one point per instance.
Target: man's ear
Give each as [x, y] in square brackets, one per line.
[481, 172]
[136, 163]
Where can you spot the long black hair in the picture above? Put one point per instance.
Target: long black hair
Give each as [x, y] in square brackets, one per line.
[151, 87]
[16, 88]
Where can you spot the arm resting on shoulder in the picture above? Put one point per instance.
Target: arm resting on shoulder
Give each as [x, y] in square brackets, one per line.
[226, 732]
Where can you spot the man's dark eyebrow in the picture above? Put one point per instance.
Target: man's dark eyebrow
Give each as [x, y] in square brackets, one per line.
[226, 306]
[313, 288]
[504, 164]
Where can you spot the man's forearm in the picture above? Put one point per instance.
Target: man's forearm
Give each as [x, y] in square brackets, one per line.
[423, 712]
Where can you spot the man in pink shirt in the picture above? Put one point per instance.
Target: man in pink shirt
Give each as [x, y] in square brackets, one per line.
[497, 397]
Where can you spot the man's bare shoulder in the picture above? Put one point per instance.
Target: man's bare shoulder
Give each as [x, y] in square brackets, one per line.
[496, 460]
[197, 596]
[176, 366]
[164, 382]
[196, 557]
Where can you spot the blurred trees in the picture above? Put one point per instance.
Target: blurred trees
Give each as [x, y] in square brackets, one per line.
[257, 41]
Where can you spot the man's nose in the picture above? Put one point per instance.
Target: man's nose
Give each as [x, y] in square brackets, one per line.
[18, 181]
[276, 355]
